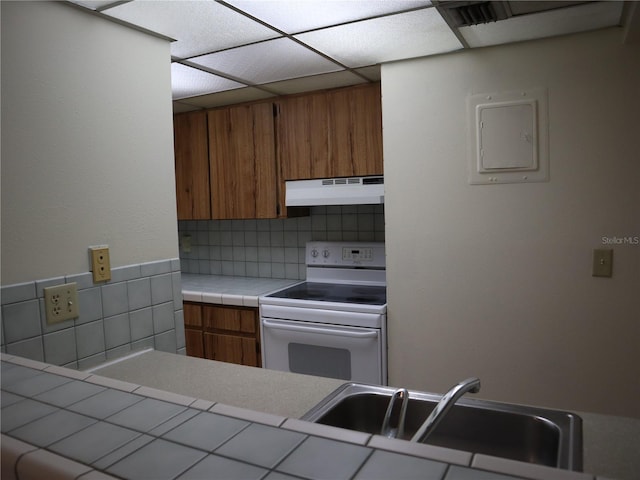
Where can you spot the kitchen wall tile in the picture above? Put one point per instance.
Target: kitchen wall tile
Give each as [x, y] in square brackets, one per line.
[96, 475]
[90, 305]
[143, 344]
[21, 320]
[92, 361]
[128, 272]
[51, 428]
[178, 318]
[318, 458]
[60, 347]
[48, 282]
[524, 469]
[18, 292]
[118, 352]
[139, 293]
[163, 318]
[176, 282]
[114, 299]
[224, 468]
[155, 268]
[116, 331]
[83, 280]
[166, 342]
[206, 431]
[66, 372]
[248, 415]
[7, 398]
[158, 460]
[31, 348]
[90, 338]
[141, 323]
[279, 476]
[161, 289]
[219, 248]
[432, 452]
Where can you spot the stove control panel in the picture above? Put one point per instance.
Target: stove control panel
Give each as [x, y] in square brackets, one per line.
[344, 254]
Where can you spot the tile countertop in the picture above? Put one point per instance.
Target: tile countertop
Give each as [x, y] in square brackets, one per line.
[228, 290]
[65, 424]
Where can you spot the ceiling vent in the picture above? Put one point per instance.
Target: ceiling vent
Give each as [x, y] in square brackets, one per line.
[467, 13]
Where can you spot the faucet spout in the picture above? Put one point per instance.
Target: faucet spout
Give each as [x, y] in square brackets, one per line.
[471, 385]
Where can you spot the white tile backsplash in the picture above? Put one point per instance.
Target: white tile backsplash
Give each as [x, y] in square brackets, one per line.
[274, 248]
[140, 307]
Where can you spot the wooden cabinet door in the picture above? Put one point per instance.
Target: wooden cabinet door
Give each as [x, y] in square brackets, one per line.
[231, 348]
[192, 166]
[355, 131]
[303, 142]
[193, 329]
[242, 162]
[334, 133]
[231, 334]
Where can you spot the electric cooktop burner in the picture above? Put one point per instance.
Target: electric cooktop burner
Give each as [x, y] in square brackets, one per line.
[332, 292]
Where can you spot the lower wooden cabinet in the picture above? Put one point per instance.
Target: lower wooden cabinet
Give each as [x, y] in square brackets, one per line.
[223, 333]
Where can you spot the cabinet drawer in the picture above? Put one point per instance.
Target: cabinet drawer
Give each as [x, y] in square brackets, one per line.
[192, 314]
[232, 319]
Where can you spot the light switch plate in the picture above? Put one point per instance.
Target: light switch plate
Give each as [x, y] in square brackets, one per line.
[602, 262]
[61, 302]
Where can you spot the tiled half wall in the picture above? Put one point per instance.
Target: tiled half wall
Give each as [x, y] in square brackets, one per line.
[140, 307]
[273, 248]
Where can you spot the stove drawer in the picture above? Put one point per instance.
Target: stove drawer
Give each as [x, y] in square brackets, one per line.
[334, 351]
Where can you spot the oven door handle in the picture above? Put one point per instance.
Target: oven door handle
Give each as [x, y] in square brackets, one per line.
[323, 330]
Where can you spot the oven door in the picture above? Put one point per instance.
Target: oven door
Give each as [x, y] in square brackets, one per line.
[335, 351]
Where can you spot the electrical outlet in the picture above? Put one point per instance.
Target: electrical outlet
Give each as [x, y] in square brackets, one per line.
[100, 263]
[61, 302]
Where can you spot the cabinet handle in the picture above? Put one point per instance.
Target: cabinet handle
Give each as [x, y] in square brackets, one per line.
[321, 330]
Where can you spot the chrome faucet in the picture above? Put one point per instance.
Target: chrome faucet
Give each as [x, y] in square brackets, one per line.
[398, 431]
[471, 385]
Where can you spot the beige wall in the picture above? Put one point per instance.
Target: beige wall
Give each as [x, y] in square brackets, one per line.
[87, 142]
[495, 281]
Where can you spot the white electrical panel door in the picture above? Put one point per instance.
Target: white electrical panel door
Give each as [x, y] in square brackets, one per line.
[508, 139]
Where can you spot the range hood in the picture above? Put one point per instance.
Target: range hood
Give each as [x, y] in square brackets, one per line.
[335, 191]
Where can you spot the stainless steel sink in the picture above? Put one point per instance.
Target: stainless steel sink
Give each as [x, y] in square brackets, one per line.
[528, 434]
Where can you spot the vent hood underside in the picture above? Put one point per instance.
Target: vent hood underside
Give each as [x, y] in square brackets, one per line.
[335, 191]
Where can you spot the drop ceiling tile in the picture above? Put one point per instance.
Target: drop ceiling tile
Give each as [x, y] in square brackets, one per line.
[316, 82]
[372, 72]
[269, 61]
[189, 82]
[198, 26]
[92, 4]
[561, 21]
[406, 35]
[294, 16]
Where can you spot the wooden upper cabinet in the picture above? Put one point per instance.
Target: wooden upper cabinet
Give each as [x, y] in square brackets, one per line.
[303, 143]
[192, 166]
[242, 162]
[355, 131]
[335, 133]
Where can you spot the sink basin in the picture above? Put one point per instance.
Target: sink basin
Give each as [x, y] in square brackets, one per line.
[528, 434]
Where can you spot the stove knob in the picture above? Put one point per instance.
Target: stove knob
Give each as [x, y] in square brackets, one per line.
[314, 253]
[326, 253]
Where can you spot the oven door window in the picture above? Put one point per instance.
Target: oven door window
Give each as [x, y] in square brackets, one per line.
[334, 351]
[320, 360]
